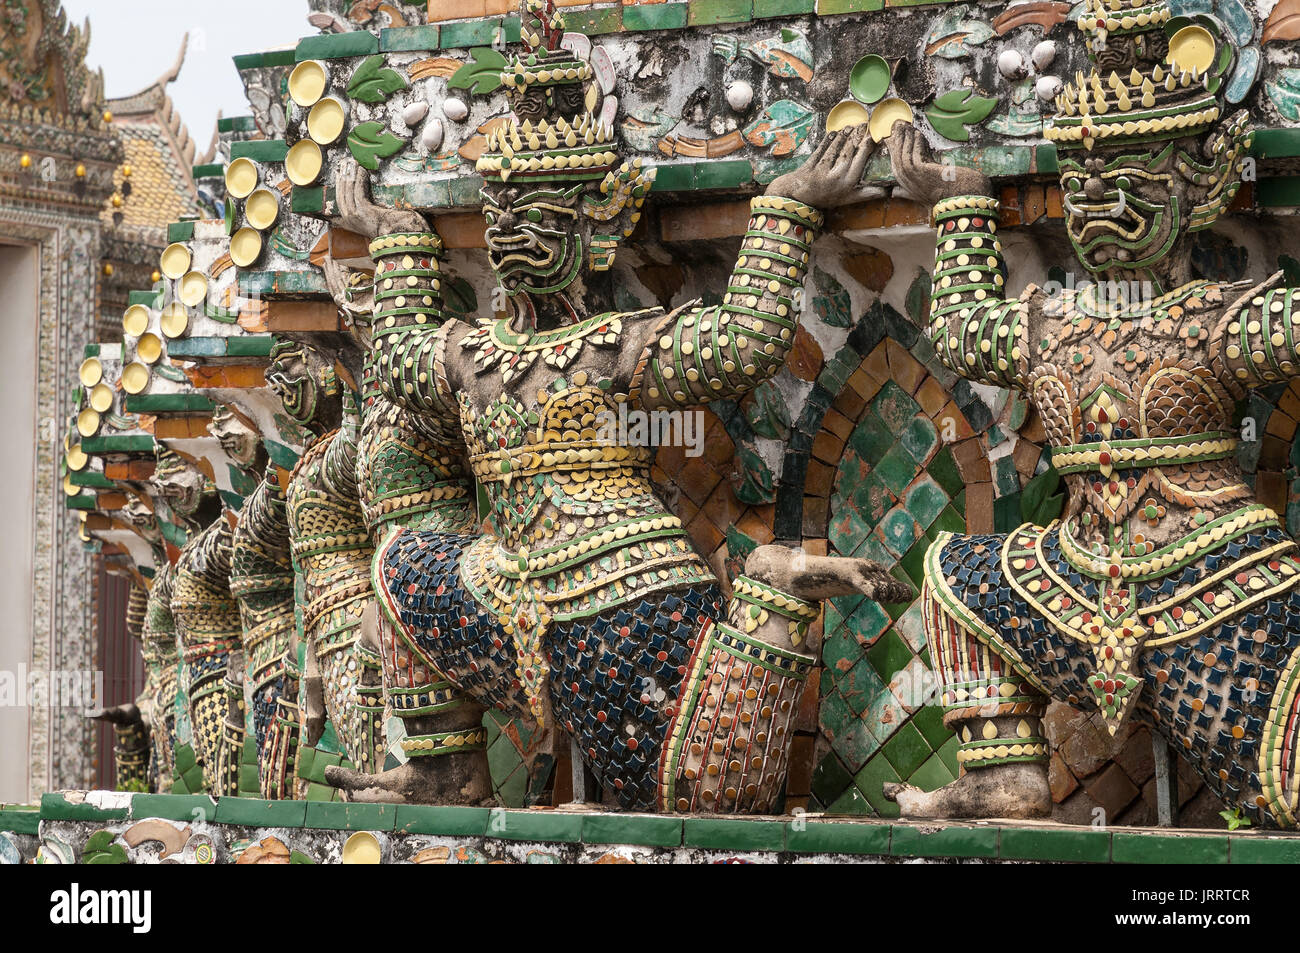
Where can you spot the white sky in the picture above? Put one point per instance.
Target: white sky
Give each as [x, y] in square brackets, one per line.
[135, 41]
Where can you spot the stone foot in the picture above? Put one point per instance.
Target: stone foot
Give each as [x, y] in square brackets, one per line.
[1008, 790]
[815, 578]
[419, 781]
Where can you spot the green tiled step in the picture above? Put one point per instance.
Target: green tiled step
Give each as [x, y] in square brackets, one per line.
[800, 835]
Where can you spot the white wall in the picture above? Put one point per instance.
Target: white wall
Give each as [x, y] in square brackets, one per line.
[19, 316]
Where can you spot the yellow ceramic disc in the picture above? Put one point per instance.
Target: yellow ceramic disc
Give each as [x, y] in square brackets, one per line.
[91, 372]
[135, 378]
[326, 120]
[136, 319]
[175, 260]
[87, 422]
[101, 397]
[262, 208]
[70, 488]
[76, 458]
[307, 82]
[148, 348]
[194, 288]
[885, 115]
[1192, 48]
[241, 177]
[174, 320]
[303, 163]
[850, 112]
[362, 848]
[245, 246]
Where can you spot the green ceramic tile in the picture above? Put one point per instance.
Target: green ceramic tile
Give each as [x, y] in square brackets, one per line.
[874, 548]
[931, 775]
[868, 621]
[260, 150]
[920, 438]
[512, 791]
[911, 625]
[929, 721]
[1262, 849]
[729, 834]
[468, 33]
[354, 43]
[632, 829]
[943, 468]
[20, 822]
[871, 781]
[898, 531]
[655, 16]
[925, 499]
[851, 802]
[860, 686]
[1280, 191]
[1169, 849]
[871, 498]
[595, 22]
[1005, 477]
[906, 750]
[407, 38]
[726, 174]
[950, 521]
[841, 651]
[829, 779]
[871, 439]
[826, 7]
[674, 177]
[947, 842]
[56, 807]
[896, 469]
[889, 655]
[255, 812]
[895, 407]
[782, 8]
[180, 231]
[443, 821]
[1274, 144]
[537, 826]
[172, 807]
[345, 816]
[705, 12]
[846, 530]
[948, 751]
[913, 562]
[1036, 843]
[854, 743]
[822, 837]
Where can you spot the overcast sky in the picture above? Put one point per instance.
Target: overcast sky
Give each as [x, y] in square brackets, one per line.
[136, 41]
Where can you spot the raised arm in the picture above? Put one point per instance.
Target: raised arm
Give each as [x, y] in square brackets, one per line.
[976, 331]
[700, 354]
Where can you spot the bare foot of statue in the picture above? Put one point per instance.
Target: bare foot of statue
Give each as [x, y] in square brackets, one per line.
[417, 782]
[1008, 790]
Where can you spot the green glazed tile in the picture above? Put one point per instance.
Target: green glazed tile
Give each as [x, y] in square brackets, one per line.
[345, 816]
[1264, 850]
[408, 38]
[173, 807]
[729, 834]
[704, 12]
[830, 779]
[825, 7]
[180, 231]
[823, 837]
[929, 721]
[932, 775]
[946, 842]
[765, 9]
[656, 16]
[20, 822]
[851, 803]
[1079, 846]
[871, 781]
[595, 22]
[920, 438]
[329, 45]
[925, 500]
[898, 531]
[536, 826]
[1169, 849]
[896, 469]
[889, 655]
[260, 150]
[906, 751]
[56, 807]
[469, 33]
[443, 821]
[726, 174]
[255, 812]
[632, 829]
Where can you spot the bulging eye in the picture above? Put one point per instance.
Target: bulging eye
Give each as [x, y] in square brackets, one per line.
[534, 215]
[1074, 184]
[490, 219]
[1122, 182]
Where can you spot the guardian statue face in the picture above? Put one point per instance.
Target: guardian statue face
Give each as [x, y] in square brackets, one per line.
[305, 383]
[239, 441]
[181, 484]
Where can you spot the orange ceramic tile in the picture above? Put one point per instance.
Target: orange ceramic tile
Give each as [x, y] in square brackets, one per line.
[460, 229]
[906, 212]
[971, 461]
[961, 430]
[827, 447]
[819, 479]
[979, 507]
[860, 215]
[305, 315]
[872, 269]
[814, 547]
[877, 363]
[1026, 456]
[697, 479]
[931, 396]
[1055, 206]
[1271, 489]
[227, 375]
[816, 515]
[1010, 199]
[456, 9]
[799, 781]
[838, 424]
[806, 358]
[1035, 204]
[850, 403]
[756, 523]
[805, 718]
[182, 428]
[906, 370]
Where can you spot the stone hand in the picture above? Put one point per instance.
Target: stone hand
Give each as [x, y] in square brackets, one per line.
[833, 173]
[926, 180]
[357, 213]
